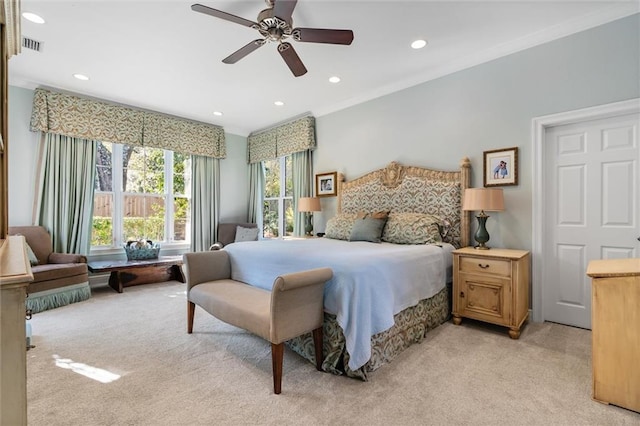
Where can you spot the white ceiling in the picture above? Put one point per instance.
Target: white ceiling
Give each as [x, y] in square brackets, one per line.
[162, 56]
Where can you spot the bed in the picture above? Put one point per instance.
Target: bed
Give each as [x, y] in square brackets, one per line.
[385, 295]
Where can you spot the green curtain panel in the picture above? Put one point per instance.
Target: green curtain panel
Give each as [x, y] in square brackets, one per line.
[205, 201]
[256, 193]
[65, 188]
[302, 170]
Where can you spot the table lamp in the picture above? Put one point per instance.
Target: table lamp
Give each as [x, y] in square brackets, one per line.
[483, 199]
[308, 205]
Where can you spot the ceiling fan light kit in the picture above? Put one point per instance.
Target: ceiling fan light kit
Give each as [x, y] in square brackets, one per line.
[275, 25]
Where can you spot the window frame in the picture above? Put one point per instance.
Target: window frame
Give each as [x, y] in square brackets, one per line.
[118, 196]
[281, 199]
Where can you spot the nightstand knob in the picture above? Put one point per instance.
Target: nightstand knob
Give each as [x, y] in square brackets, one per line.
[482, 266]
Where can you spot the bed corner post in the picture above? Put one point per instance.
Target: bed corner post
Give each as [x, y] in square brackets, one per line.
[465, 217]
[339, 188]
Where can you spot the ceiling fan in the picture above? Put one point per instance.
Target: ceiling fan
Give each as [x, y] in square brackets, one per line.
[275, 24]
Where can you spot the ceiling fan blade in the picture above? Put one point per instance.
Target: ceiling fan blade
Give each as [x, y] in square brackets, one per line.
[222, 15]
[321, 35]
[243, 51]
[292, 59]
[284, 8]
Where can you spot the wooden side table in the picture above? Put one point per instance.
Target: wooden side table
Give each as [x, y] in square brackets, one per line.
[491, 286]
[615, 331]
[127, 273]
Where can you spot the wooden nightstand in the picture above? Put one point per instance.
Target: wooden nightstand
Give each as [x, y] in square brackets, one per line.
[491, 286]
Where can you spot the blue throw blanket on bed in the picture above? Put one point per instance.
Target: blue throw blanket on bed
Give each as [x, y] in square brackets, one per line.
[371, 282]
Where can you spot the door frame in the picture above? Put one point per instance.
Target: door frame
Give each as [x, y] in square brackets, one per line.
[539, 215]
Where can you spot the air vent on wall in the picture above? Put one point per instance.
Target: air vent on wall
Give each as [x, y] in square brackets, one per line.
[29, 43]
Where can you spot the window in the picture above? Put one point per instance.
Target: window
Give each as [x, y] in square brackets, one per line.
[278, 198]
[140, 193]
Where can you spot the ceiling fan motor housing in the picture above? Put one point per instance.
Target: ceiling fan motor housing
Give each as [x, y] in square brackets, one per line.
[272, 27]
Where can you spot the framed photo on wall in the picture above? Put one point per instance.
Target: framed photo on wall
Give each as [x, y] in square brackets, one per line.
[501, 167]
[326, 184]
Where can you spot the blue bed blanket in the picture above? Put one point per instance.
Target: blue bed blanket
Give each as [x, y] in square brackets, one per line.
[371, 282]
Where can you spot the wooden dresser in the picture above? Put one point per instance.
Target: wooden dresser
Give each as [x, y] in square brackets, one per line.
[491, 286]
[15, 276]
[615, 331]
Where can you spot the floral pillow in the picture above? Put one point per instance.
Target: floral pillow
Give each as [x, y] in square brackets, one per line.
[339, 226]
[412, 228]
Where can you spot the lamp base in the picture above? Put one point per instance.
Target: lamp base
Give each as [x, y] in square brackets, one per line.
[482, 236]
[308, 227]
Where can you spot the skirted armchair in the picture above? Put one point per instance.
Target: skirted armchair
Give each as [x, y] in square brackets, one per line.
[58, 278]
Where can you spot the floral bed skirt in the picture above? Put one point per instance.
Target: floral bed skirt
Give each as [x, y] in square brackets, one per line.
[411, 326]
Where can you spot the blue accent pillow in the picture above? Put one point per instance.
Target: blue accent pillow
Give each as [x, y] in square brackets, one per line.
[367, 229]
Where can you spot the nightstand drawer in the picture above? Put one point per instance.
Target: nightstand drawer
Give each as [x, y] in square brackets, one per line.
[485, 266]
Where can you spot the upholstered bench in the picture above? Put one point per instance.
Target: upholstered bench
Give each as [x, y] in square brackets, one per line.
[293, 307]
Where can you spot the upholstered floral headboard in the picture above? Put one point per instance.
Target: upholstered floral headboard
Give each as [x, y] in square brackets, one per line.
[410, 189]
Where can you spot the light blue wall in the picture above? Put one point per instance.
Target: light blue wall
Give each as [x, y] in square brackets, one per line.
[234, 181]
[434, 124]
[486, 107]
[22, 157]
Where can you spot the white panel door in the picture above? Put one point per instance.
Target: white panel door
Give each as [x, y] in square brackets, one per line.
[592, 190]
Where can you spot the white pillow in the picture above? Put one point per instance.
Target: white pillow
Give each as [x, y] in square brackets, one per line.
[246, 234]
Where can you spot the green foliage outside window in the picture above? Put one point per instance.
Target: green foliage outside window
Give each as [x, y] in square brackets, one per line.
[102, 234]
[150, 228]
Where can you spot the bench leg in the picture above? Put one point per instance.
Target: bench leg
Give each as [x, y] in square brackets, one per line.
[277, 355]
[191, 310]
[317, 343]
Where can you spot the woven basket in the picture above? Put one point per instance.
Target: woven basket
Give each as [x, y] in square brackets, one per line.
[142, 253]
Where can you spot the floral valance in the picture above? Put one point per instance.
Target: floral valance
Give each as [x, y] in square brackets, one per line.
[85, 118]
[295, 136]
[181, 135]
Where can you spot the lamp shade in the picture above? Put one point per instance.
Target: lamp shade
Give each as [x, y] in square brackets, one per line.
[483, 199]
[308, 204]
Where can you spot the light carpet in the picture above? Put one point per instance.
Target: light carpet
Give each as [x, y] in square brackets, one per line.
[472, 374]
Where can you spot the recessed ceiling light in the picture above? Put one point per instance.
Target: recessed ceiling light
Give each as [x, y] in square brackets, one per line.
[218, 113]
[81, 77]
[278, 103]
[419, 44]
[33, 17]
[334, 79]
